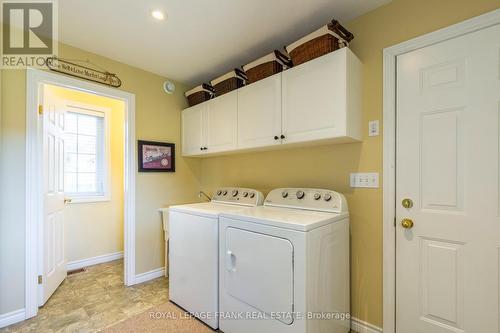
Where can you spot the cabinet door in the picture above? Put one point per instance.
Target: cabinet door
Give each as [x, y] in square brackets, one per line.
[221, 123]
[314, 99]
[193, 129]
[259, 113]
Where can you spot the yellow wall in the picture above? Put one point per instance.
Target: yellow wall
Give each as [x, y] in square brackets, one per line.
[94, 229]
[157, 119]
[329, 166]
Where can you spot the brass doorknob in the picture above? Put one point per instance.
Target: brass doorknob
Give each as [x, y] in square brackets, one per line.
[407, 223]
[67, 201]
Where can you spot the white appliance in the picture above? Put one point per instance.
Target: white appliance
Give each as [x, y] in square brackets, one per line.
[194, 250]
[164, 218]
[284, 266]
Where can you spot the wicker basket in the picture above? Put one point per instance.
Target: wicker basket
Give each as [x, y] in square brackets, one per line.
[199, 94]
[327, 39]
[229, 82]
[266, 66]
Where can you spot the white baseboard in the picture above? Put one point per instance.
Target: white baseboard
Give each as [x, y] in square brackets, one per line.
[13, 317]
[93, 261]
[360, 326]
[155, 273]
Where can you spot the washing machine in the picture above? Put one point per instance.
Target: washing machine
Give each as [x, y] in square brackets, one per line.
[284, 266]
[193, 250]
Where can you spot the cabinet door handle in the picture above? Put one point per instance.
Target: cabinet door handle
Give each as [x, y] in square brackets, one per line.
[282, 136]
[201, 148]
[276, 137]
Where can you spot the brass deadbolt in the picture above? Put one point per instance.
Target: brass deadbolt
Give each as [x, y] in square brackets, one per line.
[407, 203]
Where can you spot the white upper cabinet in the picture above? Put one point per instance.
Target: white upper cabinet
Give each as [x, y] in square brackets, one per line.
[221, 123]
[193, 131]
[318, 101]
[259, 113]
[321, 99]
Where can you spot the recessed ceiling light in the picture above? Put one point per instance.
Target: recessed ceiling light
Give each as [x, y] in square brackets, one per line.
[158, 14]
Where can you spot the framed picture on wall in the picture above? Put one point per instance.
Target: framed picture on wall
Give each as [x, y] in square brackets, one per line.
[156, 156]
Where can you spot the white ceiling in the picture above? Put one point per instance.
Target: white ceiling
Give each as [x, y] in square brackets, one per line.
[200, 39]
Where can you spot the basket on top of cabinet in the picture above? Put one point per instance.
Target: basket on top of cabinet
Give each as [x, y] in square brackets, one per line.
[199, 94]
[317, 102]
[328, 38]
[228, 82]
[266, 66]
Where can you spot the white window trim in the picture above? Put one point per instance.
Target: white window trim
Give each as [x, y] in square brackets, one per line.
[77, 107]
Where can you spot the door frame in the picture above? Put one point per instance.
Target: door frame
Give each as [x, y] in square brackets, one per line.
[389, 147]
[34, 177]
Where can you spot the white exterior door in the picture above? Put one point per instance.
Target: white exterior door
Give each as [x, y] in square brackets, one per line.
[221, 123]
[54, 256]
[193, 129]
[447, 264]
[259, 113]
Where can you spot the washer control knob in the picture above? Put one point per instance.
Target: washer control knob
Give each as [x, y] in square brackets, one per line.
[284, 194]
[252, 195]
[219, 192]
[224, 192]
[317, 196]
[300, 194]
[327, 197]
[245, 194]
[234, 193]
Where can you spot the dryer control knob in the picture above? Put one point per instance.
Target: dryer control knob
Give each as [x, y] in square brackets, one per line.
[252, 195]
[284, 194]
[245, 194]
[317, 196]
[219, 192]
[300, 194]
[327, 197]
[234, 193]
[224, 193]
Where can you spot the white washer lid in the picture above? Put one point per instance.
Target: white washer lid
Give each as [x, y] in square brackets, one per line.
[289, 218]
[207, 209]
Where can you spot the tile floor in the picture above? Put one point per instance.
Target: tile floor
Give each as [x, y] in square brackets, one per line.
[93, 300]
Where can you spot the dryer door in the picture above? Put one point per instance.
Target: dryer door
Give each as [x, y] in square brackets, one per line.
[259, 271]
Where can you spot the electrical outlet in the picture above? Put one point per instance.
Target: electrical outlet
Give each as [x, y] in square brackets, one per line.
[373, 128]
[366, 180]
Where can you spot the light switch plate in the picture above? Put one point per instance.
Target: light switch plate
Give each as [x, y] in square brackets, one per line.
[365, 180]
[373, 128]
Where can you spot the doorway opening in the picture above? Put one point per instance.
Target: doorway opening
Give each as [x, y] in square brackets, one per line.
[80, 181]
[90, 173]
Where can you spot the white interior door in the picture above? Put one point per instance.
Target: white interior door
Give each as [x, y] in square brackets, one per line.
[447, 264]
[54, 256]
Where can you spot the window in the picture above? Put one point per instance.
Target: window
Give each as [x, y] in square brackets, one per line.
[85, 159]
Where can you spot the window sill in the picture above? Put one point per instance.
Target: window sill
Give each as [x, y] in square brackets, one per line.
[78, 200]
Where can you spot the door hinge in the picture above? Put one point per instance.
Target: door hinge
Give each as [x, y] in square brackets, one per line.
[40, 109]
[394, 221]
[39, 279]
